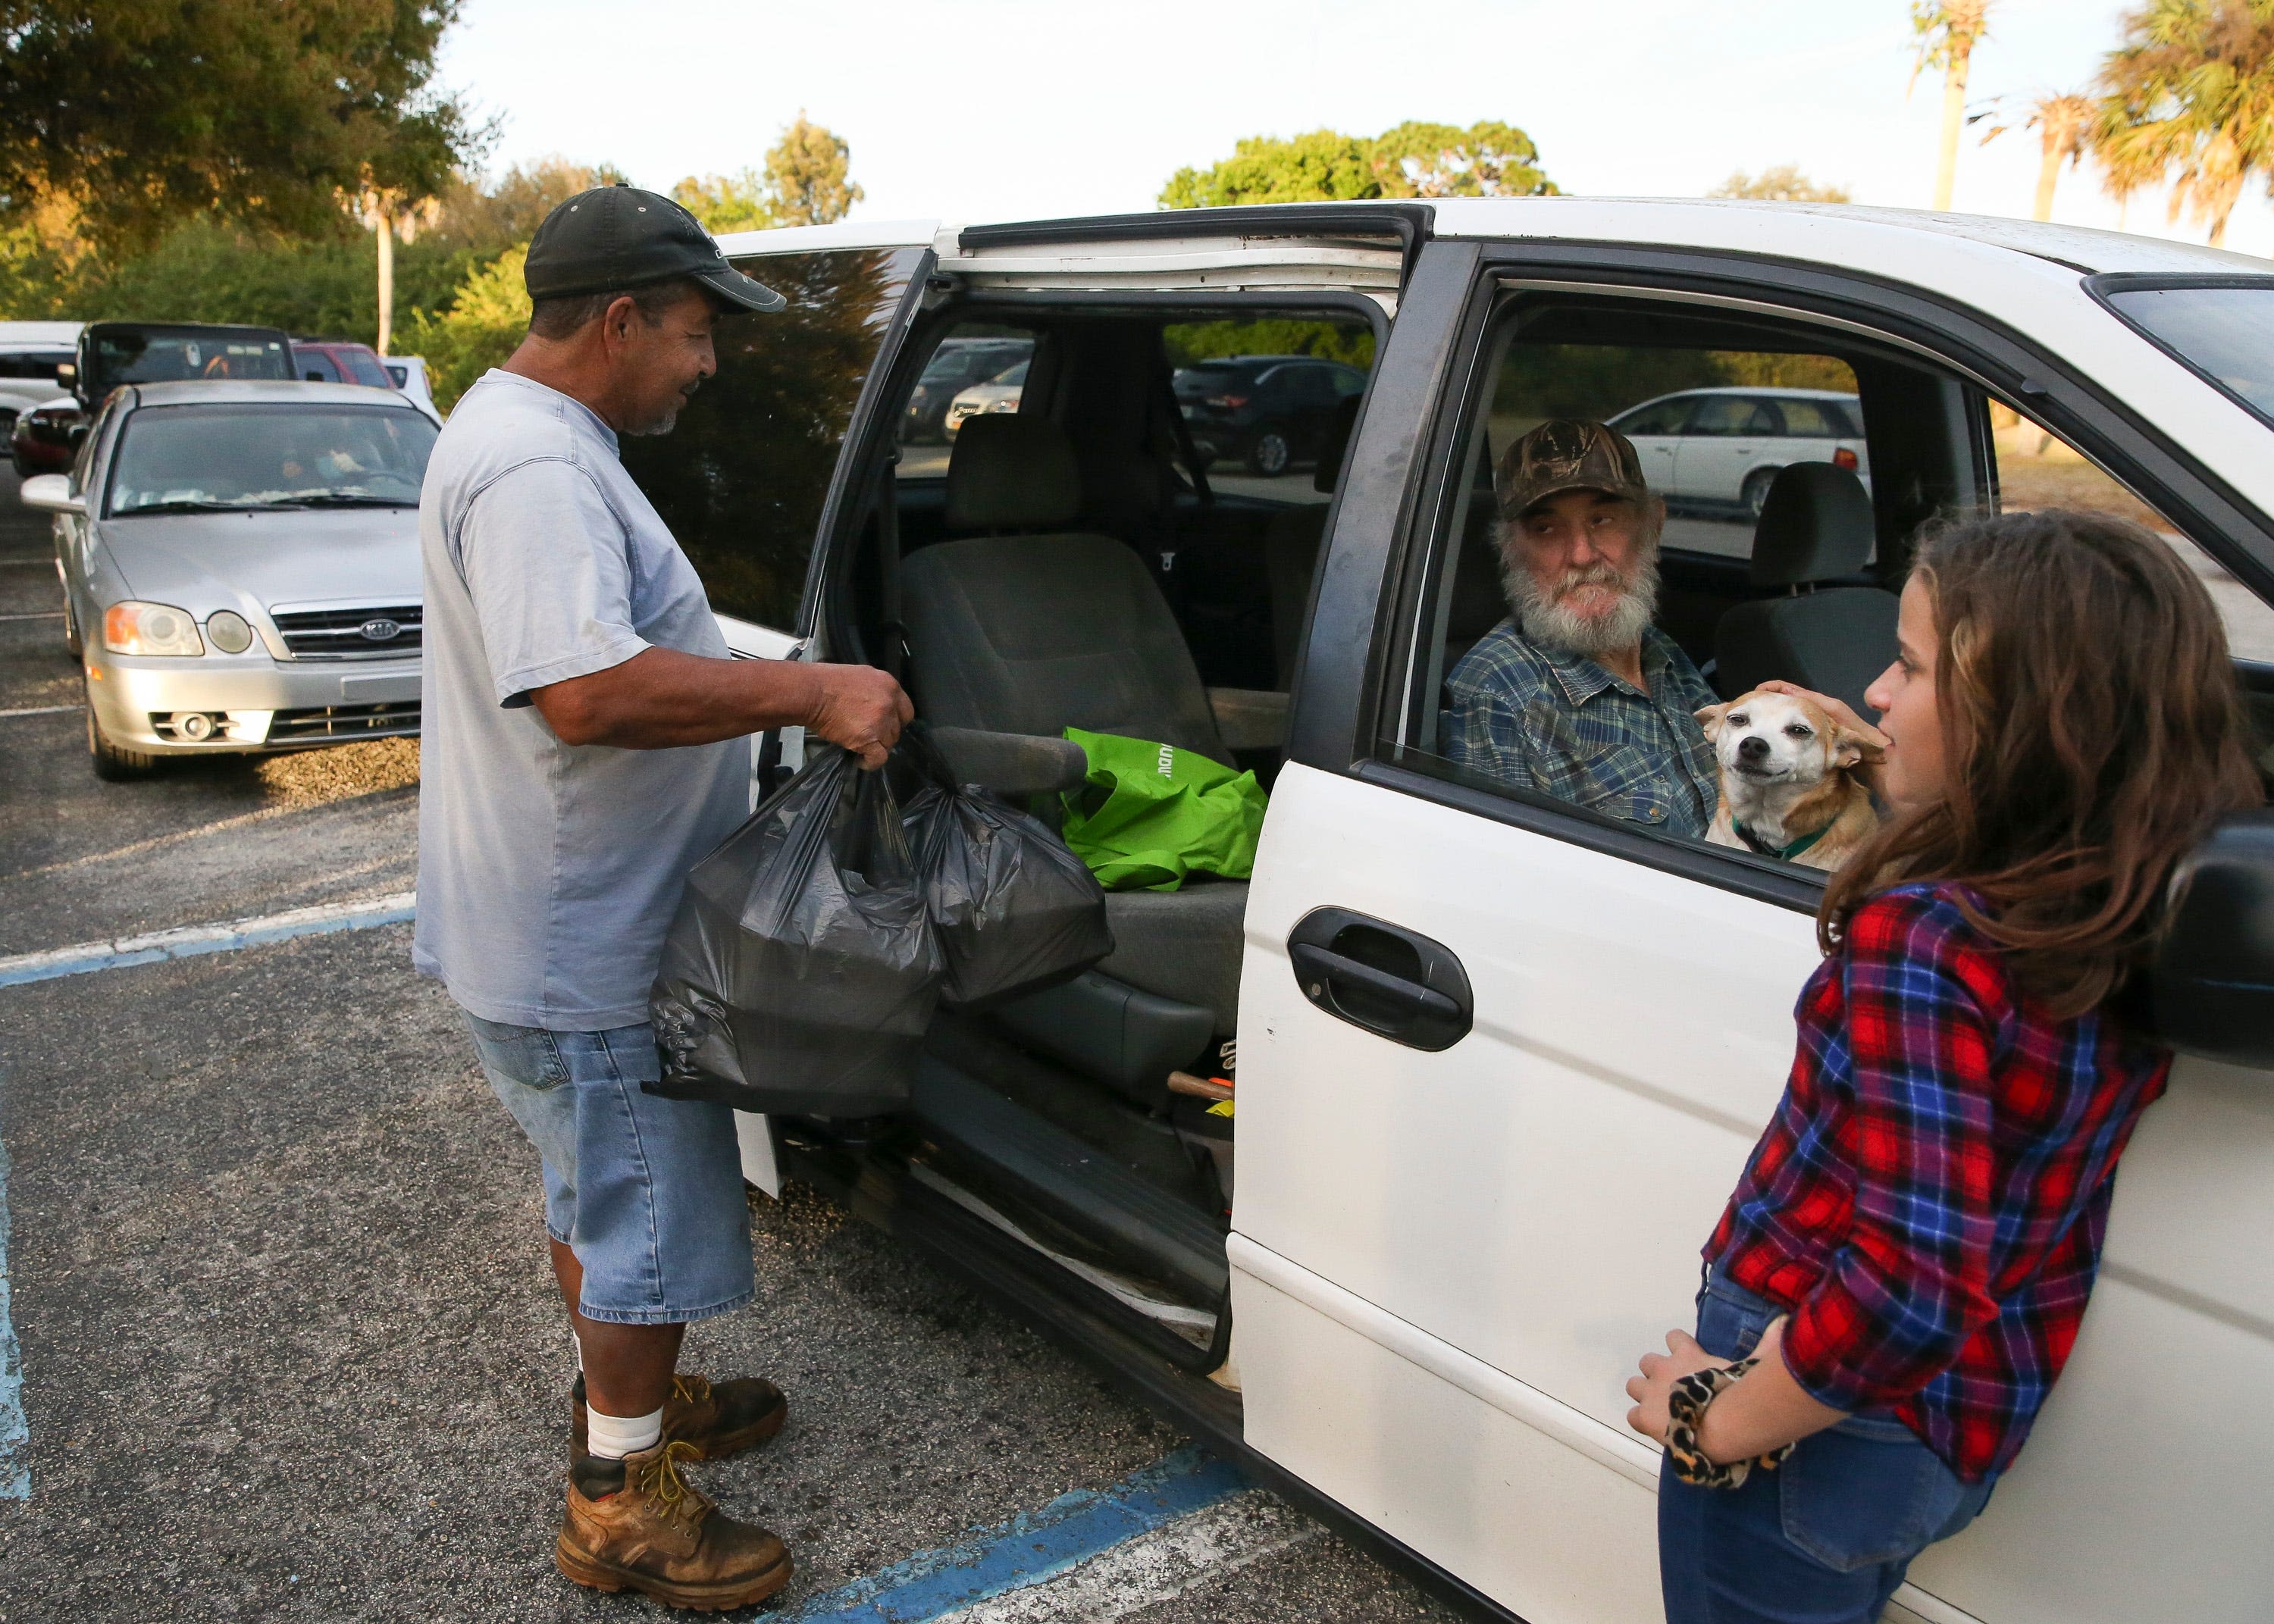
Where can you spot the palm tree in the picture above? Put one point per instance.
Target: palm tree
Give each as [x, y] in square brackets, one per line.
[2063, 124]
[2188, 98]
[1948, 30]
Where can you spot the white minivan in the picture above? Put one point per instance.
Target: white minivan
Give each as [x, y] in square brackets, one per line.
[1498, 1058]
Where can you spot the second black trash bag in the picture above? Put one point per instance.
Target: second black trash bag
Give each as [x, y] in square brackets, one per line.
[1015, 910]
[802, 968]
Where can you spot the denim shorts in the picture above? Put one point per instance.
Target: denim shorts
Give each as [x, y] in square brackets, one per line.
[1828, 1536]
[647, 1191]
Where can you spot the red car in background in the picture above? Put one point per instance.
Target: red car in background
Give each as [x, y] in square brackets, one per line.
[328, 360]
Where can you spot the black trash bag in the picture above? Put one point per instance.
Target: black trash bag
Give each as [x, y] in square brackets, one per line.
[801, 969]
[1016, 911]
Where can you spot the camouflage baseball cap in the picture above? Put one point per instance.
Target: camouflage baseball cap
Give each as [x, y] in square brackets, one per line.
[1568, 453]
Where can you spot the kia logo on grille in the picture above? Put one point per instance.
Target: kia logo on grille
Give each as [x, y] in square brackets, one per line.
[380, 629]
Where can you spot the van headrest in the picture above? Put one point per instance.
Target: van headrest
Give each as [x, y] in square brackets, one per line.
[1816, 525]
[1008, 472]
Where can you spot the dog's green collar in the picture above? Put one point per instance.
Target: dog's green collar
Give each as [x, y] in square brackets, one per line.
[1786, 852]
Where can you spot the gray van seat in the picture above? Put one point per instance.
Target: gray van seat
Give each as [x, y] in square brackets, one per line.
[1036, 632]
[1816, 526]
[1183, 944]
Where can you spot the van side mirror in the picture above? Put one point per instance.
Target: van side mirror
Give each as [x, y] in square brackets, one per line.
[2213, 982]
[50, 493]
[65, 371]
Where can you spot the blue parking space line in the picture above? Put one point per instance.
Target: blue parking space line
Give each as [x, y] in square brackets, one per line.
[15, 1432]
[194, 940]
[1030, 1548]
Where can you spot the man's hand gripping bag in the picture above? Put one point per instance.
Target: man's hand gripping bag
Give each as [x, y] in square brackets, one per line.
[801, 969]
[1015, 910]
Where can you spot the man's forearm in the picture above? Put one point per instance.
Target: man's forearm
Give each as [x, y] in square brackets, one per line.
[661, 699]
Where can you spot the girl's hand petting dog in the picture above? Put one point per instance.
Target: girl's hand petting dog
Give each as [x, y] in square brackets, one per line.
[1866, 770]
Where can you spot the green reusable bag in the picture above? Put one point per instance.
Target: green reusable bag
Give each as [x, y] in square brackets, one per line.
[1151, 814]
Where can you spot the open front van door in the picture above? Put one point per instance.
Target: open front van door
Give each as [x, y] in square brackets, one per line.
[1509, 1026]
[748, 478]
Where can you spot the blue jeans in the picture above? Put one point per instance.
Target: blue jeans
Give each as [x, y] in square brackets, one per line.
[647, 1191]
[1826, 1538]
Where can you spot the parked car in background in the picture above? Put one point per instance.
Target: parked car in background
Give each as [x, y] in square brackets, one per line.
[1718, 449]
[45, 438]
[953, 368]
[1001, 392]
[409, 373]
[331, 360]
[240, 567]
[32, 356]
[112, 353]
[1267, 411]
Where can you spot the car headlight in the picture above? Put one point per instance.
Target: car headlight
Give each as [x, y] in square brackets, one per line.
[231, 632]
[1012, 404]
[150, 629]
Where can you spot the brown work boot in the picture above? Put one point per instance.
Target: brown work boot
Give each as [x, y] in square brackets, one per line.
[718, 1420]
[638, 1525]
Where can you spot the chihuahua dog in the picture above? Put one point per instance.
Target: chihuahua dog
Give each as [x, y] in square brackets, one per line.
[1788, 786]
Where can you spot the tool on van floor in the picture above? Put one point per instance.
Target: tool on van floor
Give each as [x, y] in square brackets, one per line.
[1198, 1087]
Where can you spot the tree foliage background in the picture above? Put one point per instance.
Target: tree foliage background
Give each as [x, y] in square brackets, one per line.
[135, 115]
[1783, 184]
[1412, 161]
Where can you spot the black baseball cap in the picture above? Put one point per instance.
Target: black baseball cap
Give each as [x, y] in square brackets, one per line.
[614, 238]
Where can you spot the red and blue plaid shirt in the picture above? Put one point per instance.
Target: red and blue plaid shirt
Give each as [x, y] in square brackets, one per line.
[1931, 1197]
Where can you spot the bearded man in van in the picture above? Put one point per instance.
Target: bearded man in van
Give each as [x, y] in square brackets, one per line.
[1576, 695]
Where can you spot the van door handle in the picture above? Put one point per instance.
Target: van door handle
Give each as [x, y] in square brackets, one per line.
[1383, 978]
[1315, 964]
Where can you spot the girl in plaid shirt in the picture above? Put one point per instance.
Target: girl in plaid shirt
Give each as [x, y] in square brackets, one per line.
[1900, 1274]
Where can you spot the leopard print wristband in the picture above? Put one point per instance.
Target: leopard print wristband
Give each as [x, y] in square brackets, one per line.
[1685, 1404]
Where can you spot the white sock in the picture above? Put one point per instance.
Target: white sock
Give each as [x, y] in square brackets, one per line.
[614, 1437]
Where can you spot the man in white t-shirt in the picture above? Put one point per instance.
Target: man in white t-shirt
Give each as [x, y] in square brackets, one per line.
[586, 741]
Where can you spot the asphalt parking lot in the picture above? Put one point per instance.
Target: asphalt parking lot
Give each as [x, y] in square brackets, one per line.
[273, 1259]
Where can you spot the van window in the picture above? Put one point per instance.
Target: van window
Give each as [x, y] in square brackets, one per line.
[1516, 685]
[1209, 447]
[1709, 444]
[741, 480]
[978, 367]
[2037, 468]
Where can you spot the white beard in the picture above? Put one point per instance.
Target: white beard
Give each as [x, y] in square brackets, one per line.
[1551, 624]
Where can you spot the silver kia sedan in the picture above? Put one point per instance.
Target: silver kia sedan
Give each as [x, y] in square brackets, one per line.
[240, 568]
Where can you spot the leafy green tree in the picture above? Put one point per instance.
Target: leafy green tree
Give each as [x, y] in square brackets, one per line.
[806, 183]
[807, 173]
[1438, 160]
[1412, 160]
[1349, 342]
[724, 203]
[143, 113]
[1784, 183]
[2188, 98]
[1948, 31]
[487, 317]
[1319, 167]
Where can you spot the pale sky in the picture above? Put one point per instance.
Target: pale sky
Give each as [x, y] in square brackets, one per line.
[1000, 109]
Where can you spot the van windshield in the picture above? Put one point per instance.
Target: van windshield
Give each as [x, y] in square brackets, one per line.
[2227, 333]
[189, 459]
